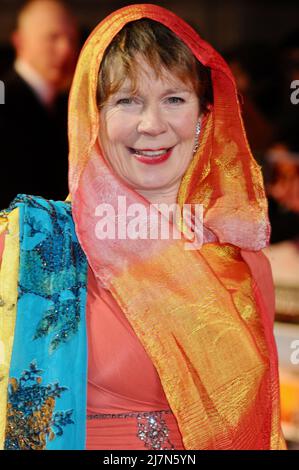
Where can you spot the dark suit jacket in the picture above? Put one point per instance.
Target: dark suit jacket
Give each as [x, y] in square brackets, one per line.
[33, 144]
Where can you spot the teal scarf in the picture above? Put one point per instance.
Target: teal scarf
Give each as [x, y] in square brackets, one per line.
[48, 370]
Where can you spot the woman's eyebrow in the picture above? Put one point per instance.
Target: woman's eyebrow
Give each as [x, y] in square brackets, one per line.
[129, 90]
[176, 90]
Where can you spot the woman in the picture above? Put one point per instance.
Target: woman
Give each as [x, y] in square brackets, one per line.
[180, 346]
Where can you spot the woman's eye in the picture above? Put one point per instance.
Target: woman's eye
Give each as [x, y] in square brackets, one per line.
[125, 101]
[175, 100]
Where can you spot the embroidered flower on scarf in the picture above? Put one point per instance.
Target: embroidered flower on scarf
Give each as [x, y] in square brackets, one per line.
[31, 419]
[53, 268]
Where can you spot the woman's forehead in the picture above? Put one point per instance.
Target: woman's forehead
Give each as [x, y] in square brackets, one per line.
[145, 73]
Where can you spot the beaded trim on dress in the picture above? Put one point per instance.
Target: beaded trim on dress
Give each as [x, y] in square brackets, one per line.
[152, 429]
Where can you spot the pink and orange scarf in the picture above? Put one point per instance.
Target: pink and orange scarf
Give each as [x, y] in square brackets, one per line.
[195, 312]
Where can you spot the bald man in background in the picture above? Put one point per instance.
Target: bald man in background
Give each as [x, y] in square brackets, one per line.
[33, 120]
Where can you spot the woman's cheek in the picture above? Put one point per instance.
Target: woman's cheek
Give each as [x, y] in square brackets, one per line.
[184, 125]
[120, 129]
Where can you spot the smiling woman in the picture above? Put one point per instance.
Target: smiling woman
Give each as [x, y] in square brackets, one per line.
[152, 127]
[139, 343]
[152, 94]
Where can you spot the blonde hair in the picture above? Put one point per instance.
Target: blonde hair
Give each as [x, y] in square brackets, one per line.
[161, 49]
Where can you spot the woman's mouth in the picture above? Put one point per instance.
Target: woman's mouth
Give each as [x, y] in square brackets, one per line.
[151, 156]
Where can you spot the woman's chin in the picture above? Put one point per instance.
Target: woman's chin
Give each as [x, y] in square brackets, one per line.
[152, 185]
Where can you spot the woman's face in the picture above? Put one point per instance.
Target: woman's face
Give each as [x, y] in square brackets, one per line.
[148, 137]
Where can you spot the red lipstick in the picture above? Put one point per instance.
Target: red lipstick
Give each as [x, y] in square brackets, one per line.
[151, 160]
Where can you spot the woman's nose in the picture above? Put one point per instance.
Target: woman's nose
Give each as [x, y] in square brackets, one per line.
[152, 121]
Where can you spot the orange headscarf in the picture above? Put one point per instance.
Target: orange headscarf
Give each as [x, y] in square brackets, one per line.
[194, 311]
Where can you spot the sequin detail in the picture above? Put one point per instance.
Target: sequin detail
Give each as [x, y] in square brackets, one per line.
[152, 429]
[53, 267]
[31, 419]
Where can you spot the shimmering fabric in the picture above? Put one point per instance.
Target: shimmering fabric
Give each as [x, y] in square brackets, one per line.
[194, 311]
[107, 363]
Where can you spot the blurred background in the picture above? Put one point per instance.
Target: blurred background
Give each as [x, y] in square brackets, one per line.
[260, 41]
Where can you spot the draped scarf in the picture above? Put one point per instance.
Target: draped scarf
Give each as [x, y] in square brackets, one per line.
[194, 311]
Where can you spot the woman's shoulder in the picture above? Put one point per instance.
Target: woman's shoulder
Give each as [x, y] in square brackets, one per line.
[27, 200]
[37, 215]
[39, 208]
[43, 225]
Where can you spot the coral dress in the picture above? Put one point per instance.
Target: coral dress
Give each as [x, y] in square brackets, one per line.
[126, 404]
